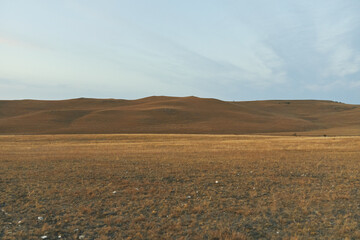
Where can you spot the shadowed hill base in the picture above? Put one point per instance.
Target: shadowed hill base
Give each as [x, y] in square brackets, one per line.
[178, 115]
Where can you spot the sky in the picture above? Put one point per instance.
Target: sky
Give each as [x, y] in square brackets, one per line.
[226, 49]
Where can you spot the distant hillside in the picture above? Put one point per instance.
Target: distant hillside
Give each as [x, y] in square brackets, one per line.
[178, 115]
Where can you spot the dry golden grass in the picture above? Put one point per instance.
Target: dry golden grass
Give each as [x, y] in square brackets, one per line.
[179, 187]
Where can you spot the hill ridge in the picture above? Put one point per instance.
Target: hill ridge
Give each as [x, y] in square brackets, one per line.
[162, 114]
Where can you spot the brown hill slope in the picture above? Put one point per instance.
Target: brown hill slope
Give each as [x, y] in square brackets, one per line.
[177, 115]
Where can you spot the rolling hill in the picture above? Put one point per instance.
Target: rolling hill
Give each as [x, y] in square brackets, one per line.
[178, 115]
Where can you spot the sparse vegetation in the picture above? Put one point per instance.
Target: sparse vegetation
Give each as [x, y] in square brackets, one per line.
[179, 187]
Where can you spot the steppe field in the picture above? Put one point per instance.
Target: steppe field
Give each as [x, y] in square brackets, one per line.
[163, 186]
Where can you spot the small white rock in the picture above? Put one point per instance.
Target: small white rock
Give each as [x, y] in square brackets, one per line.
[19, 222]
[44, 237]
[40, 218]
[59, 236]
[114, 192]
[216, 181]
[82, 237]
[188, 197]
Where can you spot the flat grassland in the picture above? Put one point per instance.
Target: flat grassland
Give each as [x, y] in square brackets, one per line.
[179, 187]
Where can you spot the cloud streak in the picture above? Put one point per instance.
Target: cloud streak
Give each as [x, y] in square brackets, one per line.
[215, 49]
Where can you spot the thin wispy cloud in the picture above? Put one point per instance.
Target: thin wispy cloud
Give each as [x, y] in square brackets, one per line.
[336, 40]
[228, 49]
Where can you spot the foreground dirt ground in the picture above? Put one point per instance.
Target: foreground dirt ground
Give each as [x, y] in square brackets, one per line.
[179, 187]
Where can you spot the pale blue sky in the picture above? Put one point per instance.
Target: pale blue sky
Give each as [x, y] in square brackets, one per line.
[226, 49]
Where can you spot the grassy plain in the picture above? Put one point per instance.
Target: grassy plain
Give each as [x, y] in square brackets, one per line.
[179, 187]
